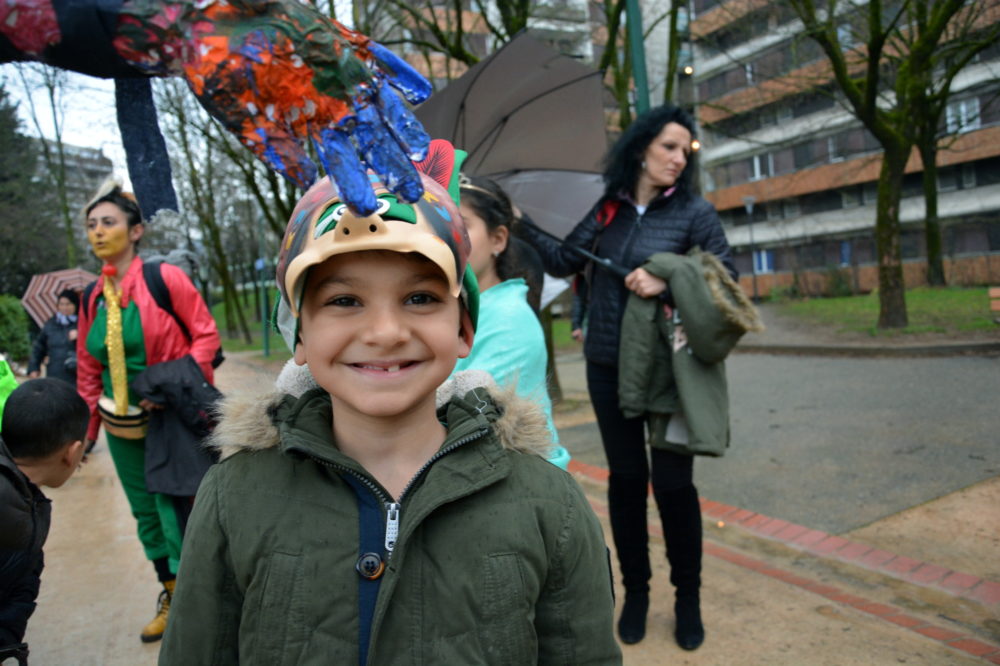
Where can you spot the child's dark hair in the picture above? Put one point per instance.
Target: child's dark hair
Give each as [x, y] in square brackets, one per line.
[113, 193]
[70, 295]
[623, 163]
[493, 205]
[41, 416]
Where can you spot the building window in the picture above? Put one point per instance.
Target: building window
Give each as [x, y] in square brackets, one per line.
[760, 167]
[947, 179]
[790, 208]
[869, 193]
[968, 176]
[962, 115]
[763, 261]
[833, 149]
[850, 197]
[845, 253]
[748, 70]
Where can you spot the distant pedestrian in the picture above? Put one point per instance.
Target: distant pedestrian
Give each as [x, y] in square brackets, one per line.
[648, 207]
[41, 444]
[57, 341]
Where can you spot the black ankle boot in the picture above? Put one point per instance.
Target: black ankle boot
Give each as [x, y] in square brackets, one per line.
[690, 633]
[632, 623]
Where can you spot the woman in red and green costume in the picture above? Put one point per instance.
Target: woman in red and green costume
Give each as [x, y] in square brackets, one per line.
[122, 331]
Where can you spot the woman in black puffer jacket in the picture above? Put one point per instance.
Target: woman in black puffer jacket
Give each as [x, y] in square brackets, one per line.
[57, 341]
[649, 206]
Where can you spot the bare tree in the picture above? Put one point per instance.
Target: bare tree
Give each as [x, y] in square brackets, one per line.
[968, 35]
[884, 80]
[205, 188]
[53, 84]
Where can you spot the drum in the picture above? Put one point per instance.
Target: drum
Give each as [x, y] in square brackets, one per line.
[130, 426]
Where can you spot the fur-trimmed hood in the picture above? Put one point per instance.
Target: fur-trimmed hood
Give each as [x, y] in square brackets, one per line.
[248, 420]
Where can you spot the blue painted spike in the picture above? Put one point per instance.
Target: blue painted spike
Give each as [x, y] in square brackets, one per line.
[341, 161]
[404, 124]
[414, 87]
[384, 155]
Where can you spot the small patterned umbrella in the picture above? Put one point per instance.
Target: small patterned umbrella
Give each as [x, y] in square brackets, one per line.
[43, 291]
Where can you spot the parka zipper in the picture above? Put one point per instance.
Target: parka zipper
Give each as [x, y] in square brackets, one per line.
[394, 509]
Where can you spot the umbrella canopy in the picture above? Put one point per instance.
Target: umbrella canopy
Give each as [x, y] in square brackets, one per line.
[533, 120]
[43, 291]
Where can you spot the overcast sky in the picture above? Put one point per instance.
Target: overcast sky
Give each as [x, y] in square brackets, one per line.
[88, 111]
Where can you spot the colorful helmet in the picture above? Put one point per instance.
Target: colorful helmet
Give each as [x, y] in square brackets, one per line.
[322, 226]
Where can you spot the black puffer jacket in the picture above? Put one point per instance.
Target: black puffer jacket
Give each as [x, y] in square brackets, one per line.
[673, 223]
[53, 341]
[25, 515]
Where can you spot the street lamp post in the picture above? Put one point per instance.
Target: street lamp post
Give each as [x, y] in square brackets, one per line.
[748, 202]
[633, 25]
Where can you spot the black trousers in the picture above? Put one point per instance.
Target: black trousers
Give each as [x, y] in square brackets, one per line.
[632, 468]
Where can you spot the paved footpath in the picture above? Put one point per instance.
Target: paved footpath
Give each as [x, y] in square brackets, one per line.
[775, 591]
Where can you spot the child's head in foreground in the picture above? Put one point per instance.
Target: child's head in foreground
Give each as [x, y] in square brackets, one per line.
[44, 424]
[380, 307]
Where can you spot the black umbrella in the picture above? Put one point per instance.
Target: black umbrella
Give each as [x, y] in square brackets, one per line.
[533, 120]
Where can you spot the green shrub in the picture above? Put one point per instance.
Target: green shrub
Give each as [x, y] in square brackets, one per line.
[838, 282]
[779, 294]
[13, 328]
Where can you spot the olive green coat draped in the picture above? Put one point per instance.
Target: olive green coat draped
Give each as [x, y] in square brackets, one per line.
[675, 364]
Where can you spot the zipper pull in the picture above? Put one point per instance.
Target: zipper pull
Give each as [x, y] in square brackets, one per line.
[391, 525]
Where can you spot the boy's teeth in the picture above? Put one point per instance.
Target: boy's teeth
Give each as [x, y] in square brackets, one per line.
[392, 368]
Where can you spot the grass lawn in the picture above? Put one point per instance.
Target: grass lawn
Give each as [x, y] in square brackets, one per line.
[929, 309]
[561, 338]
[237, 344]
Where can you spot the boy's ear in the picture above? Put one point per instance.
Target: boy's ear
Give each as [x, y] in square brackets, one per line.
[72, 454]
[300, 353]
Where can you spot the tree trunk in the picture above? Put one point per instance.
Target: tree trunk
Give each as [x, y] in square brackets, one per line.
[891, 287]
[932, 226]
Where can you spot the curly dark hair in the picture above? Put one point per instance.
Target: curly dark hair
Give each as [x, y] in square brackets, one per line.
[70, 295]
[622, 164]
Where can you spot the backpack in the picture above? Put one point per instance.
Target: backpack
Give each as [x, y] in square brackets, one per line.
[153, 276]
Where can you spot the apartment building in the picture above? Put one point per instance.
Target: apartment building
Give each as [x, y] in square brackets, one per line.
[776, 134]
[86, 169]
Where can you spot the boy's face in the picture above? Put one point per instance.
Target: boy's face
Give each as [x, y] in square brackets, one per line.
[380, 331]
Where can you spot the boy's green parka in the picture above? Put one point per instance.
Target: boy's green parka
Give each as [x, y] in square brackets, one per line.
[499, 558]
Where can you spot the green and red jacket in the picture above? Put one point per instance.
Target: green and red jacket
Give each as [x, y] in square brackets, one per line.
[161, 337]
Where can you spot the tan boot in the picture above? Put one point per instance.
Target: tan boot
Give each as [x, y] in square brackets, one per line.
[153, 631]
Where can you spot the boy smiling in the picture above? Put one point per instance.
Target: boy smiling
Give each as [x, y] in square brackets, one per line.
[369, 520]
[379, 333]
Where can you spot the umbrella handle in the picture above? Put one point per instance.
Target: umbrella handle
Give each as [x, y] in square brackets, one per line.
[603, 262]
